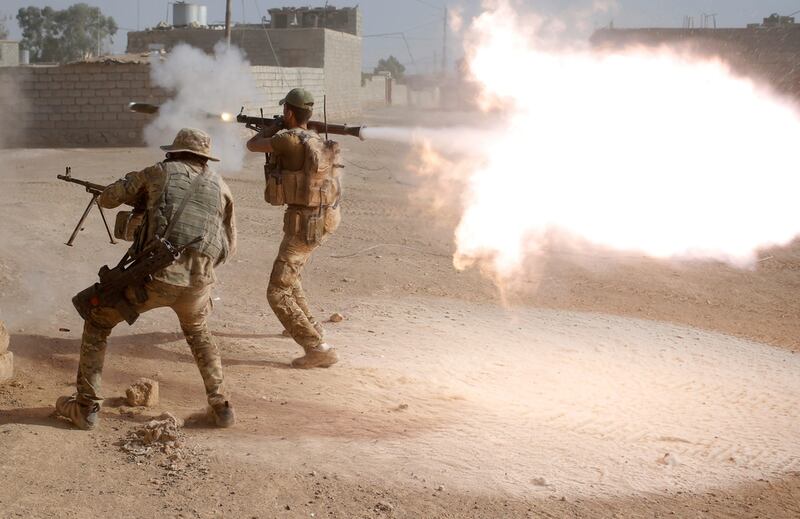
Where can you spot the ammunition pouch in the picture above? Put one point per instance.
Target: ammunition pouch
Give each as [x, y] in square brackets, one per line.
[308, 225]
[126, 225]
[274, 192]
[294, 188]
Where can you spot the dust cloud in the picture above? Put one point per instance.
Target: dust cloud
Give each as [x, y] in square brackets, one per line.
[204, 86]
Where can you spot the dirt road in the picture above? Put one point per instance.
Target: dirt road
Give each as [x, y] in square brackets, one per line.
[604, 387]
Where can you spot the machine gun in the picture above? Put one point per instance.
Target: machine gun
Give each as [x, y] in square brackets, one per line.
[260, 123]
[132, 271]
[94, 190]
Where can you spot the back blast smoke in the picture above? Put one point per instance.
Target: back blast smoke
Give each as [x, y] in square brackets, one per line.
[203, 84]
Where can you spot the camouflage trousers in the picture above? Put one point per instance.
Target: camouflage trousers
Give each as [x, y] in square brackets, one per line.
[285, 292]
[191, 305]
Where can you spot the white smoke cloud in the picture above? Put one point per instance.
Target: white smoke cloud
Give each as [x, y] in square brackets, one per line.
[204, 86]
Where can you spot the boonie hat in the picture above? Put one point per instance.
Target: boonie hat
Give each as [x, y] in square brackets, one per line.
[300, 98]
[192, 140]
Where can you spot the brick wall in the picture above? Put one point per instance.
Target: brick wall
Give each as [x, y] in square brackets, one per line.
[292, 47]
[342, 55]
[769, 54]
[337, 53]
[77, 105]
[274, 83]
[86, 104]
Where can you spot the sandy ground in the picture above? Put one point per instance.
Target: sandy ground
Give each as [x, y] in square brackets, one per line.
[599, 386]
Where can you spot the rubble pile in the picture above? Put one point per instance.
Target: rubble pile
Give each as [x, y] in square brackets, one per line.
[162, 435]
[161, 443]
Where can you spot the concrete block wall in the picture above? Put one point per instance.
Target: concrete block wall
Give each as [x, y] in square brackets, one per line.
[399, 95]
[768, 54]
[342, 54]
[337, 53]
[374, 91]
[78, 105]
[291, 47]
[425, 98]
[9, 53]
[86, 104]
[275, 82]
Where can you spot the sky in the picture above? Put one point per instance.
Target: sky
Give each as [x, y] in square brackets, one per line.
[422, 20]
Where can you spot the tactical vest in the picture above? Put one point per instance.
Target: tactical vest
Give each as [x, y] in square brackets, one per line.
[317, 184]
[202, 216]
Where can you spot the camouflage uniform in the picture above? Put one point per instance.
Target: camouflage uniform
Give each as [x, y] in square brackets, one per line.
[312, 190]
[285, 291]
[184, 286]
[192, 306]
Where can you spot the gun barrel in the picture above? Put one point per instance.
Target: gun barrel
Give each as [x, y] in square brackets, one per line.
[90, 186]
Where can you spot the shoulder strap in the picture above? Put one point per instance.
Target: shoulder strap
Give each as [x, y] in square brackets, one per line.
[189, 193]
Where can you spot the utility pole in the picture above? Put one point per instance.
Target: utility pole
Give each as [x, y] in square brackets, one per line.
[228, 22]
[444, 44]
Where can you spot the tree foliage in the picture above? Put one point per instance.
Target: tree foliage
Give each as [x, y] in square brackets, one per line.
[391, 65]
[74, 33]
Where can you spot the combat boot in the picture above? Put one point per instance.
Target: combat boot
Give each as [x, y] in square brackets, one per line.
[83, 416]
[223, 414]
[322, 356]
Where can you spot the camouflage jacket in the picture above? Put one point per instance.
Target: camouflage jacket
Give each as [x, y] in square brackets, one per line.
[145, 189]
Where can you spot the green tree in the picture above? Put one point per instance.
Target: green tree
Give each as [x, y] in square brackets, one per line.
[74, 33]
[391, 65]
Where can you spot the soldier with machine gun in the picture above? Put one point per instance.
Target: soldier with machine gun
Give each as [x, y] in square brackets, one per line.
[186, 229]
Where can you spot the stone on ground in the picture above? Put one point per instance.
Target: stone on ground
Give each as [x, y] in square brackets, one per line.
[142, 393]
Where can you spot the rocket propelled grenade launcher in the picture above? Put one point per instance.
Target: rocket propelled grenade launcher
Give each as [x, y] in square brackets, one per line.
[260, 123]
